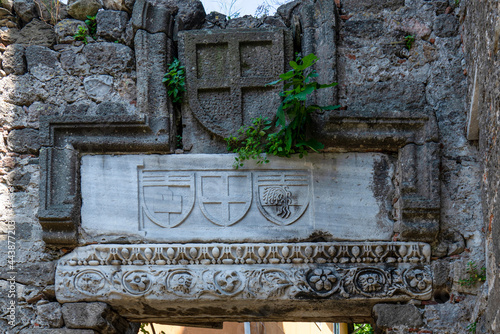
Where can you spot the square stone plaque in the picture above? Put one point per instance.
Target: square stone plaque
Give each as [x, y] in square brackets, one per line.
[201, 198]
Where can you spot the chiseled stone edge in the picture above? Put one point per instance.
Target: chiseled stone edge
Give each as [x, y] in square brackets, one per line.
[249, 253]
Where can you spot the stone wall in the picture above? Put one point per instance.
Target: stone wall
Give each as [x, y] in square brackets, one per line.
[480, 31]
[361, 44]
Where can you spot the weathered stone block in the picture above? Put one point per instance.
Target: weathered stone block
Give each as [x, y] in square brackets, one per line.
[229, 71]
[49, 314]
[98, 87]
[40, 55]
[97, 316]
[108, 58]
[388, 315]
[446, 25]
[25, 9]
[74, 62]
[13, 59]
[153, 52]
[80, 9]
[43, 63]
[111, 24]
[65, 30]
[190, 15]
[24, 141]
[154, 16]
[375, 97]
[332, 197]
[359, 6]
[37, 33]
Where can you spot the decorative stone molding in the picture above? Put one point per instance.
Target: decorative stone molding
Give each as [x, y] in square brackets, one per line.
[255, 253]
[63, 140]
[154, 274]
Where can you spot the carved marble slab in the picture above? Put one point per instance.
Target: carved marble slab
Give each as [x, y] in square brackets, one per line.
[201, 198]
[152, 274]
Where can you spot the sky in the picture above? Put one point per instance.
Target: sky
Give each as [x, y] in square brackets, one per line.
[245, 7]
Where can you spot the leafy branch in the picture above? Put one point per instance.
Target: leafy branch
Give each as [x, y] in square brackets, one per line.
[175, 79]
[293, 119]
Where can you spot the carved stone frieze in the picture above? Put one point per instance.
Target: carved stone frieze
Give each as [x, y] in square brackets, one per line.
[245, 253]
[154, 274]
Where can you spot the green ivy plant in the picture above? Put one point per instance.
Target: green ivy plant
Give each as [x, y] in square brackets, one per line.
[175, 79]
[290, 134]
[475, 275]
[82, 34]
[91, 22]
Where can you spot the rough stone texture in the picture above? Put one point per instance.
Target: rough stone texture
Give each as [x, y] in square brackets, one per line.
[25, 9]
[108, 58]
[190, 15]
[388, 316]
[80, 9]
[37, 33]
[97, 316]
[111, 24]
[13, 60]
[50, 315]
[154, 16]
[481, 45]
[57, 331]
[23, 141]
[98, 87]
[66, 29]
[152, 57]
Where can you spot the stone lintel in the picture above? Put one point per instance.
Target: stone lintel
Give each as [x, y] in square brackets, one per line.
[63, 139]
[222, 282]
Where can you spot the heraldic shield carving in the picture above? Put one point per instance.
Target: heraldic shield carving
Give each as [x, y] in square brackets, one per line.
[224, 197]
[282, 197]
[165, 198]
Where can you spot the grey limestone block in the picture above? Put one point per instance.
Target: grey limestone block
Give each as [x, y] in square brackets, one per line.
[390, 315]
[37, 33]
[13, 61]
[108, 58]
[111, 24]
[50, 314]
[97, 316]
[191, 15]
[80, 9]
[153, 52]
[66, 29]
[23, 141]
[25, 9]
[154, 16]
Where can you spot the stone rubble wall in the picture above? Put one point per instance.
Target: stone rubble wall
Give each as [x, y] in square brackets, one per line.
[44, 71]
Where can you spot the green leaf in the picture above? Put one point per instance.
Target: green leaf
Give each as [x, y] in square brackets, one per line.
[333, 84]
[281, 116]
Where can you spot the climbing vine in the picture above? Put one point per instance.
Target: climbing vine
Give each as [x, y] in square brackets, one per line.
[290, 133]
